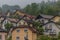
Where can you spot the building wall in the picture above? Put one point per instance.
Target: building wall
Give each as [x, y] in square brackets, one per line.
[5, 22]
[56, 19]
[3, 36]
[30, 37]
[54, 27]
[44, 20]
[20, 13]
[34, 36]
[21, 34]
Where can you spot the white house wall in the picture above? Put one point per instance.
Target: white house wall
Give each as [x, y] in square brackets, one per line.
[54, 27]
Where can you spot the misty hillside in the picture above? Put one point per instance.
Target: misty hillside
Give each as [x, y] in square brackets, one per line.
[5, 8]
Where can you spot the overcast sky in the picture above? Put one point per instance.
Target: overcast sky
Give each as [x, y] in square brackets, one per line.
[21, 3]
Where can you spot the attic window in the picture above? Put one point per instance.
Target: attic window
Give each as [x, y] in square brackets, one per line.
[31, 25]
[23, 23]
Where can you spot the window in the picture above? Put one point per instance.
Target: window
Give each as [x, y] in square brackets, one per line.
[54, 31]
[46, 30]
[26, 37]
[17, 38]
[50, 27]
[25, 30]
[31, 25]
[18, 30]
[42, 21]
[5, 21]
[0, 37]
[24, 23]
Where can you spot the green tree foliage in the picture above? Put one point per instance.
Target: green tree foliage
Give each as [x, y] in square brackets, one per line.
[27, 9]
[10, 38]
[38, 27]
[45, 37]
[32, 9]
[8, 26]
[49, 8]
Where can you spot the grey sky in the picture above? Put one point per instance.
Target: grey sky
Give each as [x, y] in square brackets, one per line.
[21, 3]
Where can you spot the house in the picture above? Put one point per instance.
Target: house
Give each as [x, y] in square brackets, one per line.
[22, 13]
[43, 18]
[5, 21]
[12, 21]
[23, 32]
[19, 23]
[3, 34]
[51, 28]
[19, 12]
[22, 22]
[25, 22]
[56, 18]
[2, 18]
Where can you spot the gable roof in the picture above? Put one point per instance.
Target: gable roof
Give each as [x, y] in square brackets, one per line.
[27, 21]
[24, 13]
[44, 16]
[24, 26]
[4, 17]
[54, 17]
[13, 20]
[50, 22]
[2, 30]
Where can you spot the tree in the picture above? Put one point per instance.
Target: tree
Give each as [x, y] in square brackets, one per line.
[44, 37]
[59, 36]
[10, 38]
[27, 9]
[38, 27]
[49, 8]
[32, 9]
[8, 26]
